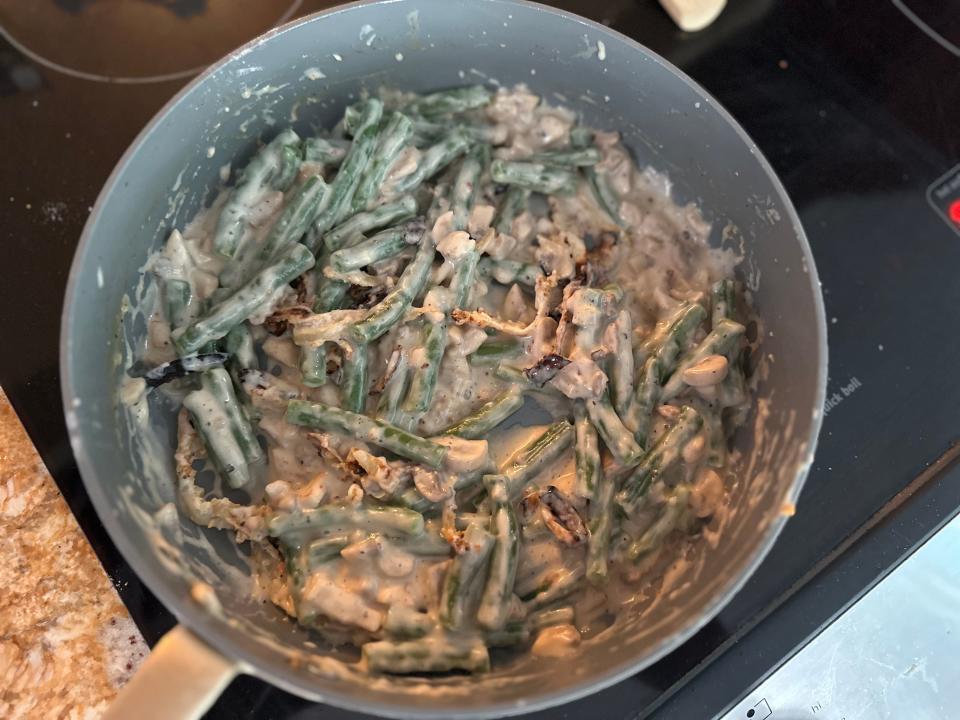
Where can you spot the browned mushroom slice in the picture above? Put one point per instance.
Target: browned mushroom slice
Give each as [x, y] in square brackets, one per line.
[562, 518]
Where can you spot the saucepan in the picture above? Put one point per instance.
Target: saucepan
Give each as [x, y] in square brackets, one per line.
[303, 74]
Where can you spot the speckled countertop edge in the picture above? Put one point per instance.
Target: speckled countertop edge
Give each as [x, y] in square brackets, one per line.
[67, 643]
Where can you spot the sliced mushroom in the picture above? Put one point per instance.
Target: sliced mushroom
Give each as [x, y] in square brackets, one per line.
[709, 371]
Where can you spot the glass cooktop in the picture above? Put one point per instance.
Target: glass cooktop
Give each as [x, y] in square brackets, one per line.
[855, 105]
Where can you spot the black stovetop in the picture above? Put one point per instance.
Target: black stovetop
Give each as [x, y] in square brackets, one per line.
[856, 106]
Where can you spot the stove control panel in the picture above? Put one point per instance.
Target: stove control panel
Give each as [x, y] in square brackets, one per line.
[944, 196]
[891, 655]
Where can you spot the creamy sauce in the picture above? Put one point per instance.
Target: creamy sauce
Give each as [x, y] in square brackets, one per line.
[660, 261]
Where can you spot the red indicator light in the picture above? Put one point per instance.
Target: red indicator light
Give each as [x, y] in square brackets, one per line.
[954, 211]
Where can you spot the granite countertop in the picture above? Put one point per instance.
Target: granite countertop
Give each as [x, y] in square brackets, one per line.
[67, 643]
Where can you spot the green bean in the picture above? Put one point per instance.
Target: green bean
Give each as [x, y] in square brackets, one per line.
[484, 419]
[464, 576]
[385, 244]
[426, 655]
[507, 272]
[464, 277]
[376, 432]
[403, 622]
[219, 384]
[599, 183]
[344, 185]
[510, 636]
[434, 159]
[670, 519]
[620, 367]
[713, 426]
[244, 302]
[388, 311]
[424, 374]
[213, 424]
[466, 185]
[514, 203]
[430, 544]
[297, 216]
[587, 452]
[399, 210]
[723, 301]
[557, 584]
[313, 365]
[323, 550]
[531, 459]
[537, 177]
[353, 386]
[393, 138]
[385, 519]
[426, 132]
[493, 351]
[601, 522]
[329, 151]
[661, 457]
[575, 157]
[724, 337]
[495, 599]
[449, 102]
[290, 159]
[177, 295]
[662, 351]
[254, 179]
[393, 391]
[554, 616]
[618, 439]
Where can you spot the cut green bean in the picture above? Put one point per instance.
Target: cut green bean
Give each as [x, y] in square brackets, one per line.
[394, 390]
[575, 157]
[660, 459]
[405, 623]
[723, 301]
[724, 337]
[388, 311]
[247, 300]
[385, 519]
[495, 599]
[220, 385]
[587, 452]
[618, 439]
[344, 185]
[601, 523]
[662, 351]
[537, 177]
[361, 427]
[464, 577]
[385, 244]
[353, 386]
[512, 635]
[670, 519]
[426, 655]
[177, 296]
[466, 185]
[515, 201]
[297, 216]
[621, 370]
[450, 102]
[397, 211]
[482, 421]
[253, 181]
[213, 424]
[493, 351]
[424, 373]
[534, 457]
[323, 550]
[556, 585]
[434, 159]
[603, 192]
[290, 159]
[393, 138]
[328, 151]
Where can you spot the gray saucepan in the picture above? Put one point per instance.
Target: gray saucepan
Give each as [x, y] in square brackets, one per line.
[304, 73]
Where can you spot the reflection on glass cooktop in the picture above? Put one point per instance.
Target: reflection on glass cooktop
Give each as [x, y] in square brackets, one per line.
[853, 103]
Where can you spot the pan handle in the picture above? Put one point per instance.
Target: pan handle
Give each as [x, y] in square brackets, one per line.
[181, 679]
